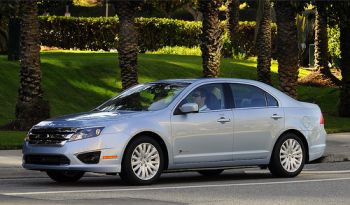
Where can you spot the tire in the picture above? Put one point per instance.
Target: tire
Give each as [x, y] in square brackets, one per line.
[65, 176]
[140, 168]
[210, 173]
[288, 156]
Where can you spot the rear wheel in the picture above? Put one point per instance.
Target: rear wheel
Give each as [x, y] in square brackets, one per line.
[65, 176]
[288, 157]
[143, 162]
[211, 173]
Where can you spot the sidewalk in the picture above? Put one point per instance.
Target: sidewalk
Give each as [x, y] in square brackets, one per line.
[338, 150]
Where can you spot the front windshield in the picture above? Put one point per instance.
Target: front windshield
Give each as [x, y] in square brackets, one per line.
[144, 97]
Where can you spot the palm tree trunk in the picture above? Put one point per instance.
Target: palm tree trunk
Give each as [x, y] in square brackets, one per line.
[128, 42]
[287, 46]
[211, 38]
[233, 23]
[263, 43]
[344, 108]
[321, 43]
[30, 107]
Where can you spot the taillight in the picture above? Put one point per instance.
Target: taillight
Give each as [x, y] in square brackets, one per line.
[322, 120]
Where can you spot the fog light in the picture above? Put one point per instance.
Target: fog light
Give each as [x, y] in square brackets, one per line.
[90, 157]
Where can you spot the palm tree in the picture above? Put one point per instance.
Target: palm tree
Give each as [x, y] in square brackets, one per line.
[211, 38]
[30, 107]
[287, 46]
[263, 41]
[321, 42]
[233, 22]
[128, 41]
[343, 11]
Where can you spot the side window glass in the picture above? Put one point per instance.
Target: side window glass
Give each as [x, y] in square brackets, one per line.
[208, 97]
[248, 96]
[271, 101]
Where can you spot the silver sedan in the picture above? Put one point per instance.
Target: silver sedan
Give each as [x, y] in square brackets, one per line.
[206, 125]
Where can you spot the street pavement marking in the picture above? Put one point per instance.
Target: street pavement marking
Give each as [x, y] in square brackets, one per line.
[175, 187]
[303, 172]
[325, 172]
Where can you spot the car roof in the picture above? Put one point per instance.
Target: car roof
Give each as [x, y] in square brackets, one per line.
[202, 80]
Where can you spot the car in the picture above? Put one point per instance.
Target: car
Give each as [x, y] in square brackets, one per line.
[205, 125]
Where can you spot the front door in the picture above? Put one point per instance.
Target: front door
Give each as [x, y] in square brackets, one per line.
[206, 136]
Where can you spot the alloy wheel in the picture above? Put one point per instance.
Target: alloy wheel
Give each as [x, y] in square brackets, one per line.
[145, 161]
[291, 155]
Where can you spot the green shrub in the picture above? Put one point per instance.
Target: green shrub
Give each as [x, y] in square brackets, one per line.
[154, 33]
[334, 45]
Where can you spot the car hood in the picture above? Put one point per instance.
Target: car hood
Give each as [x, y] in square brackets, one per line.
[87, 119]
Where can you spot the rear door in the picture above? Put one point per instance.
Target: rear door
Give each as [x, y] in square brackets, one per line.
[257, 120]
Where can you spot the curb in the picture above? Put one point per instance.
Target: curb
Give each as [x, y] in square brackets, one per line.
[331, 158]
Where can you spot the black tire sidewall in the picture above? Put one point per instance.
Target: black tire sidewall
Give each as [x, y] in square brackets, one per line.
[127, 174]
[276, 166]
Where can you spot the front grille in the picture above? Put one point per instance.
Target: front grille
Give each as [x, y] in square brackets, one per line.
[50, 136]
[46, 159]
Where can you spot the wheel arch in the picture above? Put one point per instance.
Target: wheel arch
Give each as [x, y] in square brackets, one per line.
[155, 137]
[301, 137]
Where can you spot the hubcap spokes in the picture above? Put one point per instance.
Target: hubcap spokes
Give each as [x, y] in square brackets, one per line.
[291, 155]
[145, 161]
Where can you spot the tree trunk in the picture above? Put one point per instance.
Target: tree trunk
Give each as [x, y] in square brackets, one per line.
[30, 107]
[233, 23]
[344, 107]
[128, 42]
[321, 43]
[287, 47]
[263, 44]
[211, 40]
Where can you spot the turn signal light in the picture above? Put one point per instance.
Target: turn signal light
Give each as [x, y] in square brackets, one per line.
[109, 157]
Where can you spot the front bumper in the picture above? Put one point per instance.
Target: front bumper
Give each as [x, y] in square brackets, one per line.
[71, 150]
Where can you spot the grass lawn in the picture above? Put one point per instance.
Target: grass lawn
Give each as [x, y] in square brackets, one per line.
[79, 81]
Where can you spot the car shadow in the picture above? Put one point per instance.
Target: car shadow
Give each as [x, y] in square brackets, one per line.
[167, 179]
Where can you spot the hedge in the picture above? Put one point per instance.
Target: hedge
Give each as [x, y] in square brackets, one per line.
[154, 33]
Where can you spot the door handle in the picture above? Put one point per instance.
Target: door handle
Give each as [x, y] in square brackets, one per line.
[276, 117]
[223, 120]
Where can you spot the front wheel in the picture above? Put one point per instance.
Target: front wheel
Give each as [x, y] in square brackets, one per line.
[65, 176]
[288, 157]
[143, 162]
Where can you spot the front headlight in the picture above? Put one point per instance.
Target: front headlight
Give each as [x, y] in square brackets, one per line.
[86, 133]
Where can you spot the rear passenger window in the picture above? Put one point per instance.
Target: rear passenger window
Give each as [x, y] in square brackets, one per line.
[248, 96]
[271, 101]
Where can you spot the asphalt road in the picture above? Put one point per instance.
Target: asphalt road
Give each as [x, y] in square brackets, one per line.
[327, 183]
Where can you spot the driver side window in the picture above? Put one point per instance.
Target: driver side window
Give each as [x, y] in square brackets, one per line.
[208, 97]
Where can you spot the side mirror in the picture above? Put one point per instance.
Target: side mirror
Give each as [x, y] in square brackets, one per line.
[189, 107]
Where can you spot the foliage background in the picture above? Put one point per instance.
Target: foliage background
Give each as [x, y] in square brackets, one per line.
[154, 33]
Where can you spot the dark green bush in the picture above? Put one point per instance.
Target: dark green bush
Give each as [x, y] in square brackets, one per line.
[79, 33]
[154, 33]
